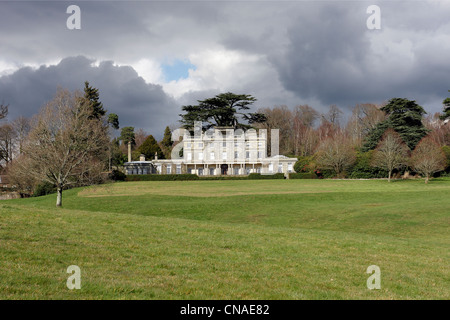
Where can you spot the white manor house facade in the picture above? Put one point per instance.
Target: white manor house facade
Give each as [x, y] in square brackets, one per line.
[218, 151]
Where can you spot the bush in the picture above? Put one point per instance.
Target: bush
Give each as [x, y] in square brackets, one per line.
[43, 189]
[362, 168]
[117, 175]
[303, 175]
[257, 176]
[304, 164]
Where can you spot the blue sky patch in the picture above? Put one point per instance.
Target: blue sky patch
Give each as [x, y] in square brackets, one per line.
[179, 69]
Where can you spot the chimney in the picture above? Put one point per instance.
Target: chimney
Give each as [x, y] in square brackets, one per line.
[142, 157]
[129, 151]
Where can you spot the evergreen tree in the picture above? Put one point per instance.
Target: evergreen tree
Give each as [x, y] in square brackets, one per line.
[446, 114]
[405, 117]
[149, 147]
[166, 143]
[92, 96]
[224, 110]
[113, 120]
[127, 135]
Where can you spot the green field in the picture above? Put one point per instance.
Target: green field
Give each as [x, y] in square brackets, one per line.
[247, 239]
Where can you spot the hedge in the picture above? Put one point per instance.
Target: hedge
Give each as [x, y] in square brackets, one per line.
[184, 177]
[303, 175]
[161, 177]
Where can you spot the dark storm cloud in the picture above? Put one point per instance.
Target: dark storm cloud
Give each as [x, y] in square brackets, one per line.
[334, 58]
[297, 51]
[122, 91]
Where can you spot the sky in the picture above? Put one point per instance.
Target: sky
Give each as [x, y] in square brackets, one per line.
[149, 58]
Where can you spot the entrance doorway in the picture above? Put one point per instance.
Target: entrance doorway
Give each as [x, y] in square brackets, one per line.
[224, 169]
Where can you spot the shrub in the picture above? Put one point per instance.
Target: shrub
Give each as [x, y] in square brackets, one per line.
[303, 175]
[256, 176]
[43, 189]
[117, 175]
[362, 168]
[162, 177]
[304, 164]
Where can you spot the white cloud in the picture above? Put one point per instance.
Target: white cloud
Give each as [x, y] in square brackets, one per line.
[150, 70]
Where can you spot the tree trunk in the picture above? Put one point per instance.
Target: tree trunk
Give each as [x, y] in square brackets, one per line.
[426, 179]
[389, 177]
[59, 196]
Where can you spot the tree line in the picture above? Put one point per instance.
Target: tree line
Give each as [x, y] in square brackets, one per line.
[72, 140]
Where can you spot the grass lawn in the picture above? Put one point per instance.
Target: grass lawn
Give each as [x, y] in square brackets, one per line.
[236, 239]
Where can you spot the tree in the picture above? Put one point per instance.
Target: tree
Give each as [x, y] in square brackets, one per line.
[3, 111]
[333, 115]
[21, 127]
[428, 158]
[281, 118]
[405, 117]
[223, 110]
[7, 139]
[365, 117]
[166, 143]
[391, 153]
[65, 145]
[113, 121]
[127, 135]
[336, 153]
[149, 148]
[92, 96]
[446, 114]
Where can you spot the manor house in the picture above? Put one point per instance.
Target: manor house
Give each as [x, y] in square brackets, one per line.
[218, 151]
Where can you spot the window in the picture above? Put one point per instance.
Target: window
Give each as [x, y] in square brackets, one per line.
[178, 168]
[169, 169]
[247, 154]
[290, 167]
[200, 144]
[260, 144]
[189, 170]
[236, 154]
[236, 171]
[280, 168]
[270, 167]
[212, 156]
[200, 171]
[188, 145]
[224, 156]
[247, 170]
[224, 144]
[211, 171]
[259, 154]
[189, 156]
[200, 156]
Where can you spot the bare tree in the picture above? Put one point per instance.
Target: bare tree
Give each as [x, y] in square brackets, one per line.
[279, 117]
[364, 118]
[64, 146]
[7, 139]
[333, 115]
[428, 158]
[305, 140]
[3, 111]
[336, 153]
[21, 127]
[391, 153]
